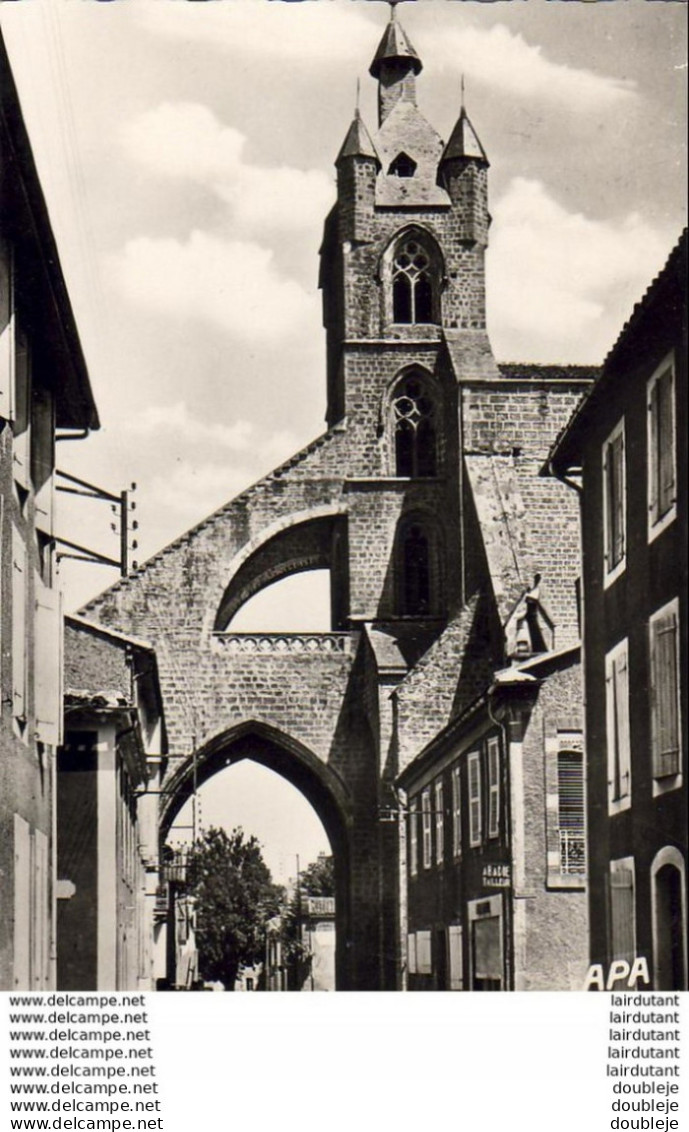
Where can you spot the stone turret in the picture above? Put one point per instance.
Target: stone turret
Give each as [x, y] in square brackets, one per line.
[357, 168]
[463, 173]
[395, 65]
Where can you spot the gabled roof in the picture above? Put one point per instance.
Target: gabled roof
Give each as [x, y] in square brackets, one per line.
[665, 300]
[395, 44]
[42, 283]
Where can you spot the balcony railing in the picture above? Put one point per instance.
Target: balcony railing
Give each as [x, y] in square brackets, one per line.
[288, 644]
[572, 852]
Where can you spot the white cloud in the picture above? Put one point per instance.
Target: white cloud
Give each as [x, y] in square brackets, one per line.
[175, 424]
[232, 284]
[185, 140]
[317, 35]
[506, 60]
[561, 283]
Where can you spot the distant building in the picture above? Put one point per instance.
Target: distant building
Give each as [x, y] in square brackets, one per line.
[44, 390]
[628, 444]
[107, 848]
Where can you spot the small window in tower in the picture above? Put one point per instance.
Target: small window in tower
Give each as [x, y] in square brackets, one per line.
[414, 423]
[412, 284]
[416, 568]
[402, 166]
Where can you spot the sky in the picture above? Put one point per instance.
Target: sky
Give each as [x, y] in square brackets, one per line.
[186, 152]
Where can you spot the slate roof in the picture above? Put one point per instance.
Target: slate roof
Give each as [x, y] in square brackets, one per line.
[464, 141]
[395, 44]
[529, 526]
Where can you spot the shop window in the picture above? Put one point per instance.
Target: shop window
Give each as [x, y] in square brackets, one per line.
[414, 423]
[485, 924]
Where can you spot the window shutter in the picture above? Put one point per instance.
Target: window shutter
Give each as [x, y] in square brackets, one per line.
[48, 665]
[622, 723]
[653, 451]
[426, 828]
[6, 333]
[666, 444]
[474, 799]
[618, 502]
[665, 715]
[43, 457]
[22, 903]
[622, 918]
[456, 811]
[454, 936]
[439, 823]
[611, 729]
[413, 838]
[493, 788]
[21, 448]
[411, 953]
[423, 953]
[18, 624]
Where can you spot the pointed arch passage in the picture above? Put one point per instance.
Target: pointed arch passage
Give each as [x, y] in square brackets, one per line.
[414, 424]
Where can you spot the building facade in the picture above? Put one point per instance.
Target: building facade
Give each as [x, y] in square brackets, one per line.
[431, 447]
[106, 830]
[625, 450]
[44, 394]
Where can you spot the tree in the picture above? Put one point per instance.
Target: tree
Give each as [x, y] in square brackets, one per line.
[318, 878]
[235, 897]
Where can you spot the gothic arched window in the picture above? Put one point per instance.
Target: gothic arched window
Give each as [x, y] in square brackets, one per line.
[414, 426]
[417, 569]
[413, 297]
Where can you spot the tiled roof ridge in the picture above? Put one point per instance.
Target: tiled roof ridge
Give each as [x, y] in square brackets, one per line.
[640, 306]
[508, 369]
[214, 517]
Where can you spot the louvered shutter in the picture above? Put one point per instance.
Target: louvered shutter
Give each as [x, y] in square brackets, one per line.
[653, 451]
[6, 333]
[456, 811]
[22, 903]
[617, 503]
[664, 695]
[622, 722]
[666, 444]
[455, 948]
[474, 770]
[48, 665]
[622, 918]
[19, 628]
[21, 449]
[493, 788]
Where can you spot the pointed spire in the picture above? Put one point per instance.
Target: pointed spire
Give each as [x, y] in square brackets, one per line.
[464, 140]
[395, 44]
[358, 142]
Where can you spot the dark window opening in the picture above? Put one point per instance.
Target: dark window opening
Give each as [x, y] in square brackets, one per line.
[416, 592]
[402, 166]
[415, 430]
